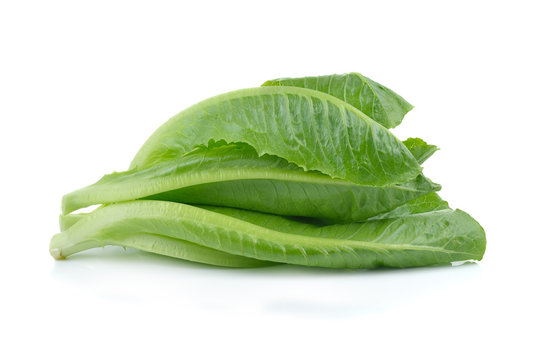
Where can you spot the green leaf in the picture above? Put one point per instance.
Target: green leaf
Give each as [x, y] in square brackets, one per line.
[163, 245]
[373, 99]
[311, 129]
[234, 175]
[420, 149]
[427, 203]
[437, 237]
[66, 221]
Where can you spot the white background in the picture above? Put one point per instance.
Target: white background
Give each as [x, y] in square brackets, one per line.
[83, 84]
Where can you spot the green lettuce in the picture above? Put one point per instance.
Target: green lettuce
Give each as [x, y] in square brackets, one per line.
[301, 171]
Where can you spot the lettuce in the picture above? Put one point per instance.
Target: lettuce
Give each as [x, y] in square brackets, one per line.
[301, 171]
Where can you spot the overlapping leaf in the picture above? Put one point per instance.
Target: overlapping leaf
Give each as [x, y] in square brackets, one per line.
[234, 175]
[430, 238]
[308, 128]
[373, 99]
